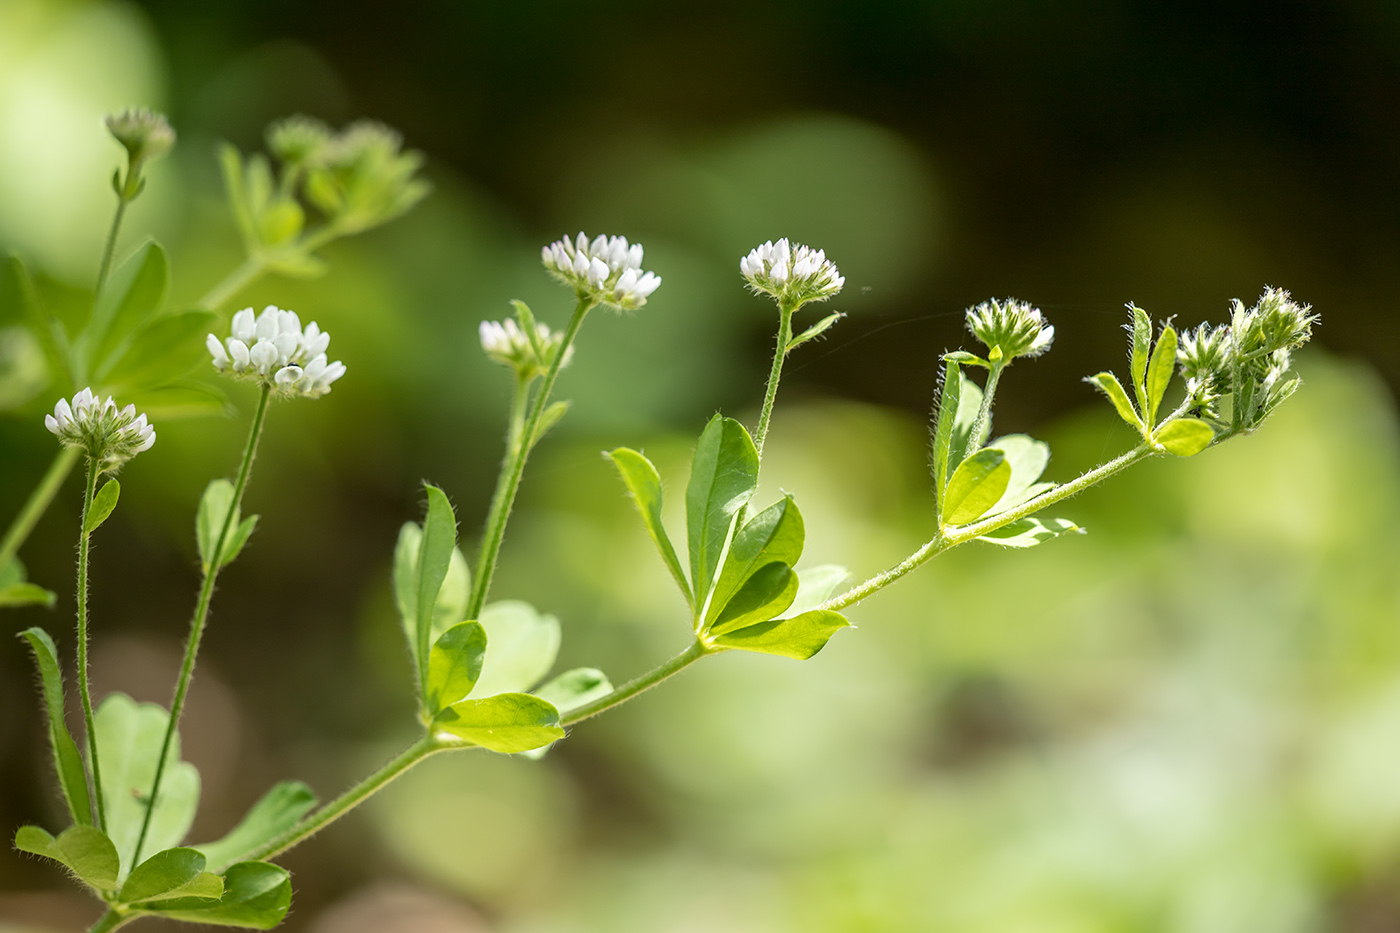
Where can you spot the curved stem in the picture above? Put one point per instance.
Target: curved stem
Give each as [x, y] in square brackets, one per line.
[515, 433]
[110, 249]
[110, 921]
[513, 468]
[37, 503]
[771, 395]
[201, 614]
[83, 691]
[347, 801]
[247, 271]
[641, 684]
[961, 534]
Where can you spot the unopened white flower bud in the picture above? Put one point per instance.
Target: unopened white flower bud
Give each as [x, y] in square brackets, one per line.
[607, 269]
[111, 436]
[282, 355]
[794, 275]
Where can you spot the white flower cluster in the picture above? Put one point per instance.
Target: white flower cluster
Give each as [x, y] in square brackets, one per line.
[506, 343]
[1010, 328]
[607, 268]
[272, 349]
[792, 274]
[110, 435]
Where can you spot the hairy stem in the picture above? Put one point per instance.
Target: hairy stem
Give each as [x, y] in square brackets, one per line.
[982, 424]
[83, 691]
[110, 921]
[515, 432]
[347, 801]
[37, 503]
[641, 684]
[111, 247]
[771, 395]
[201, 614]
[961, 534]
[513, 468]
[235, 281]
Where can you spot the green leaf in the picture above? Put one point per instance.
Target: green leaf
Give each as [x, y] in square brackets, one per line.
[815, 585]
[1028, 459]
[574, 688]
[277, 811]
[170, 873]
[102, 505]
[644, 485]
[17, 288]
[84, 850]
[963, 358]
[1108, 384]
[816, 330]
[1028, 532]
[508, 722]
[549, 419]
[214, 506]
[12, 573]
[181, 400]
[962, 443]
[72, 775]
[799, 637]
[976, 486]
[26, 594]
[451, 604]
[133, 293]
[522, 645]
[1185, 437]
[775, 534]
[162, 351]
[237, 538]
[948, 403]
[281, 222]
[1159, 373]
[256, 896]
[1141, 343]
[454, 664]
[723, 477]
[434, 556]
[765, 595]
[231, 163]
[129, 739]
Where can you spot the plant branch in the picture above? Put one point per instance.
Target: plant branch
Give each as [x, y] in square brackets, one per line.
[235, 281]
[111, 246]
[641, 684]
[111, 920]
[83, 691]
[771, 394]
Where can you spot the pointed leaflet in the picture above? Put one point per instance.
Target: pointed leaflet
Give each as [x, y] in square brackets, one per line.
[171, 873]
[451, 605]
[256, 896]
[1027, 458]
[799, 637]
[507, 722]
[1159, 373]
[723, 477]
[277, 811]
[976, 486]
[1108, 384]
[434, 556]
[962, 443]
[1028, 532]
[133, 294]
[815, 585]
[102, 505]
[129, 739]
[816, 330]
[765, 595]
[72, 776]
[774, 535]
[522, 645]
[84, 850]
[15, 591]
[1141, 343]
[644, 485]
[1185, 437]
[943, 428]
[164, 349]
[454, 665]
[209, 522]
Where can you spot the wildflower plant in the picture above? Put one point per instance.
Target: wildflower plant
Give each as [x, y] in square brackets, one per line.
[483, 671]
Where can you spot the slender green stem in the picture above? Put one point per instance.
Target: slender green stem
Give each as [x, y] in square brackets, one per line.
[515, 432]
[37, 503]
[961, 534]
[513, 468]
[83, 691]
[627, 691]
[110, 249]
[111, 920]
[247, 271]
[771, 395]
[201, 614]
[352, 798]
[981, 425]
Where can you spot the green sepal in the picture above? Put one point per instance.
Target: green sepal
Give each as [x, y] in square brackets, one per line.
[102, 505]
[766, 594]
[72, 775]
[799, 637]
[171, 873]
[1159, 373]
[723, 477]
[454, 665]
[1185, 437]
[644, 486]
[976, 486]
[1108, 384]
[84, 850]
[277, 811]
[256, 896]
[777, 534]
[815, 331]
[507, 722]
[1028, 532]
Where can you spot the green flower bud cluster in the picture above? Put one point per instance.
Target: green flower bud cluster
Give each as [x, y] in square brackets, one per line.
[364, 178]
[145, 135]
[1010, 329]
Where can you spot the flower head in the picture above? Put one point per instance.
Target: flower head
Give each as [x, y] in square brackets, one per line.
[506, 343]
[144, 133]
[793, 274]
[111, 436]
[607, 269]
[1012, 327]
[273, 350]
[300, 140]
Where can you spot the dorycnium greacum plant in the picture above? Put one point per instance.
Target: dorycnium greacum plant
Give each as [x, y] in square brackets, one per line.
[482, 670]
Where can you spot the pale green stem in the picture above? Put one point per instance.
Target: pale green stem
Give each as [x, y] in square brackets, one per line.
[961, 534]
[110, 249]
[984, 414]
[201, 614]
[627, 691]
[513, 467]
[111, 920]
[514, 443]
[771, 395]
[37, 503]
[247, 271]
[347, 801]
[83, 691]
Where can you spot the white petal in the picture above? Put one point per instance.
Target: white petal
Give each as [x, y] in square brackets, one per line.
[243, 325]
[598, 272]
[216, 350]
[238, 350]
[267, 327]
[51, 423]
[286, 376]
[264, 356]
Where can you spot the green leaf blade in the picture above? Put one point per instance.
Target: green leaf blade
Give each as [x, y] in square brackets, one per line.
[976, 486]
[775, 535]
[1108, 384]
[948, 402]
[72, 775]
[435, 548]
[1028, 459]
[84, 850]
[962, 443]
[161, 351]
[132, 295]
[102, 505]
[798, 638]
[723, 478]
[454, 665]
[1159, 373]
[257, 896]
[214, 507]
[574, 688]
[1028, 532]
[167, 873]
[277, 811]
[765, 595]
[644, 486]
[1185, 437]
[506, 723]
[1141, 344]
[522, 644]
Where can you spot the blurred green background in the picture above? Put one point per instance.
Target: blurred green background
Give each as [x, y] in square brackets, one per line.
[1187, 720]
